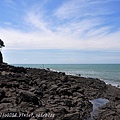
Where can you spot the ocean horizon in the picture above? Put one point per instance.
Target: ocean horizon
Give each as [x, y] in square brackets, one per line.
[109, 73]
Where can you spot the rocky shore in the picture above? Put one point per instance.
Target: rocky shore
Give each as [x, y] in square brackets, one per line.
[39, 94]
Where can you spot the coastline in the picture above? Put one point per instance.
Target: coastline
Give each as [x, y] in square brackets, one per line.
[68, 97]
[109, 73]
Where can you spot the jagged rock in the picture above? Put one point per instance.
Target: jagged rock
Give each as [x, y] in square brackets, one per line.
[38, 90]
[28, 97]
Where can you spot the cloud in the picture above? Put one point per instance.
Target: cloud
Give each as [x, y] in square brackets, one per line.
[66, 28]
[11, 4]
[19, 40]
[9, 1]
[83, 8]
[37, 22]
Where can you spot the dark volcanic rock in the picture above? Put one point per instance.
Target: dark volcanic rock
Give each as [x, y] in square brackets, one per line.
[54, 95]
[28, 97]
[10, 68]
[2, 94]
[110, 111]
[73, 116]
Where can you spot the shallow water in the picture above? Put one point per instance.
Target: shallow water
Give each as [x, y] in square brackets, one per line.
[96, 104]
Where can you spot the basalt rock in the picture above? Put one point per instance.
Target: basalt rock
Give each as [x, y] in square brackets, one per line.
[66, 97]
[27, 97]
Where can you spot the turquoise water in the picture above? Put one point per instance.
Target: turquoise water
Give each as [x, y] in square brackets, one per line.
[110, 73]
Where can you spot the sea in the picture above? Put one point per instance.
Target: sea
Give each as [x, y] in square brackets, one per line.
[109, 73]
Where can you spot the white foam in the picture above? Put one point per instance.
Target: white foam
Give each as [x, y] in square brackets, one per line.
[108, 82]
[116, 84]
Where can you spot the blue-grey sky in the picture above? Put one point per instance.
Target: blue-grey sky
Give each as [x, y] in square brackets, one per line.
[60, 31]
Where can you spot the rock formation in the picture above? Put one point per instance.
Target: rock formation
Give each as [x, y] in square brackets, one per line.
[39, 94]
[1, 45]
[1, 58]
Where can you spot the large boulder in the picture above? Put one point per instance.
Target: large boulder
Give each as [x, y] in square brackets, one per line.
[28, 97]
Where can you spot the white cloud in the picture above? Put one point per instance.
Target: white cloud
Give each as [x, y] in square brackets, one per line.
[82, 8]
[11, 4]
[83, 28]
[37, 22]
[87, 33]
[18, 40]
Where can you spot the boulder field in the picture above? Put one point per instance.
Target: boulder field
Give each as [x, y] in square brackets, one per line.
[41, 94]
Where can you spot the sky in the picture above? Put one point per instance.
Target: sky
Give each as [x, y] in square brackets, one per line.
[60, 31]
